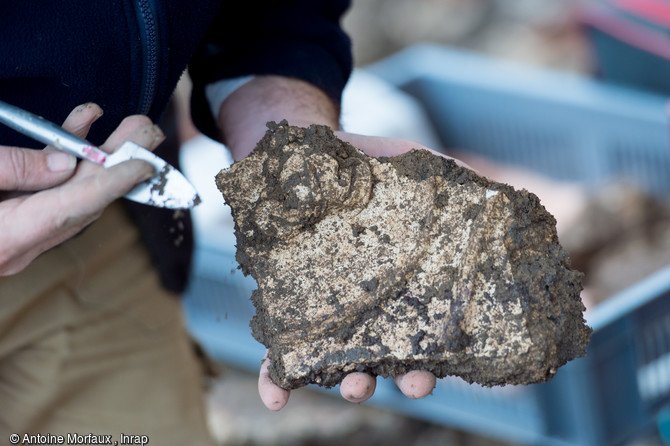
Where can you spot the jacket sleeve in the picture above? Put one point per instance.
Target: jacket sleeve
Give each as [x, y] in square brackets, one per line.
[296, 38]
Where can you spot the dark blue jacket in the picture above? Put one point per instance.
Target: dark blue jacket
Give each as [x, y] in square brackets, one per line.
[127, 56]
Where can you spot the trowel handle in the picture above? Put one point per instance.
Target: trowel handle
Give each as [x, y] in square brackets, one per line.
[47, 132]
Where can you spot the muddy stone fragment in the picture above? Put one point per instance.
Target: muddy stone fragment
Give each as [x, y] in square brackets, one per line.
[394, 264]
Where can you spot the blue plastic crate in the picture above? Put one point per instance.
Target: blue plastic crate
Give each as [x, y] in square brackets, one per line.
[561, 125]
[564, 126]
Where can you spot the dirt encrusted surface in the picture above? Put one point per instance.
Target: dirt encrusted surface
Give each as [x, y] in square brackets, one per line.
[393, 264]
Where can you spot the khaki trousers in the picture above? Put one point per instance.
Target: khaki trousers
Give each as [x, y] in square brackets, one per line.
[91, 344]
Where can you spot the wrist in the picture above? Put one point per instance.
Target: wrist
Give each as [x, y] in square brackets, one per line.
[243, 115]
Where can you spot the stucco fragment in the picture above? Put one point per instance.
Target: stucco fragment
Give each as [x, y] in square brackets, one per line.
[393, 264]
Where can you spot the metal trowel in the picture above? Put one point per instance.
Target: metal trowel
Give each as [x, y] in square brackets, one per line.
[167, 189]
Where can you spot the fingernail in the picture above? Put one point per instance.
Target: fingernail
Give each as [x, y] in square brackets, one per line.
[60, 162]
[159, 135]
[98, 111]
[84, 106]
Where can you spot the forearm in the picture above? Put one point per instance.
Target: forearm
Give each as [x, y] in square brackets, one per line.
[243, 115]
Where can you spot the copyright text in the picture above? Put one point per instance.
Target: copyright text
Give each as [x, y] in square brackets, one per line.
[75, 438]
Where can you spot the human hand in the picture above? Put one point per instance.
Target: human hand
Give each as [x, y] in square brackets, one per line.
[47, 198]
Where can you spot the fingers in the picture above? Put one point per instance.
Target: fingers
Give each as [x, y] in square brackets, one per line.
[273, 396]
[82, 200]
[358, 387]
[377, 146]
[416, 384]
[94, 187]
[37, 222]
[80, 119]
[136, 128]
[98, 190]
[355, 387]
[30, 170]
[147, 136]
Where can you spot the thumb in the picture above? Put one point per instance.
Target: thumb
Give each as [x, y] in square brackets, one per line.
[30, 170]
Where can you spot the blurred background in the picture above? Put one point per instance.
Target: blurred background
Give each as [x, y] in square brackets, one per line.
[566, 98]
[536, 32]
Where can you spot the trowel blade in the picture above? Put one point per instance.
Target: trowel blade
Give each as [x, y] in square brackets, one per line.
[167, 189]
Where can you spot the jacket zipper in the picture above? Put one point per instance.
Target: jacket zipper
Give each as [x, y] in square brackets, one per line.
[149, 32]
